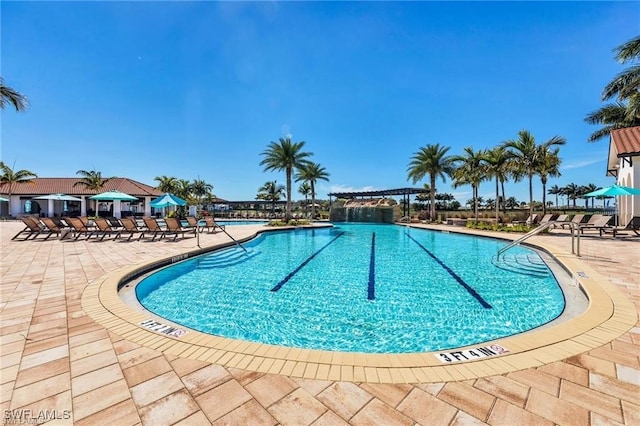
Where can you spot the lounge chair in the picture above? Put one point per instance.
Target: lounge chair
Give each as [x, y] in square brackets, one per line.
[105, 228]
[153, 227]
[175, 227]
[32, 228]
[53, 227]
[79, 228]
[546, 219]
[577, 219]
[632, 226]
[211, 224]
[597, 221]
[131, 226]
[560, 220]
[531, 220]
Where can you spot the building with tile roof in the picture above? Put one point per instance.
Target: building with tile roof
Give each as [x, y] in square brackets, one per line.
[22, 196]
[624, 148]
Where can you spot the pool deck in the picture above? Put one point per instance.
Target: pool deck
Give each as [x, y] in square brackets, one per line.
[63, 351]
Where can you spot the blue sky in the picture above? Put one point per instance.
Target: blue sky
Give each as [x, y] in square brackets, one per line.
[199, 89]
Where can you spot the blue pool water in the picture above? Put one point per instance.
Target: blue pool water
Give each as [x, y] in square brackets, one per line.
[358, 288]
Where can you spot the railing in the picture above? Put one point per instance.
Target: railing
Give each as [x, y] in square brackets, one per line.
[575, 235]
[223, 230]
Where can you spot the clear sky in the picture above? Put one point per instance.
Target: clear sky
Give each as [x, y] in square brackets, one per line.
[199, 89]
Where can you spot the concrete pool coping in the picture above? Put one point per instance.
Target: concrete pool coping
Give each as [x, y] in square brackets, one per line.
[609, 315]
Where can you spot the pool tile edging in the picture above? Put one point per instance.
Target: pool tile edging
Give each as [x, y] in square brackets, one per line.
[608, 316]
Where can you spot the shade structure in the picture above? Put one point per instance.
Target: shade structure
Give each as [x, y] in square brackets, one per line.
[112, 196]
[167, 200]
[57, 197]
[612, 191]
[4, 199]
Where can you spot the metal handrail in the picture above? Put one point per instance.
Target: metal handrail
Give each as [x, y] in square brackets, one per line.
[524, 237]
[199, 230]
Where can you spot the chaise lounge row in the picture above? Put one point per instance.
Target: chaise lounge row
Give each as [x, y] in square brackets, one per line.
[74, 228]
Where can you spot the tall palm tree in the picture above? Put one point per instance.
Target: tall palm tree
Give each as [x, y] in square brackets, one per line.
[526, 154]
[166, 183]
[572, 191]
[270, 191]
[548, 165]
[625, 88]
[305, 190]
[312, 172]
[498, 165]
[200, 190]
[555, 190]
[10, 178]
[430, 160]
[11, 96]
[285, 155]
[470, 171]
[91, 180]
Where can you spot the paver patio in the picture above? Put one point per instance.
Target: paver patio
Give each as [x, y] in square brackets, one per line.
[57, 361]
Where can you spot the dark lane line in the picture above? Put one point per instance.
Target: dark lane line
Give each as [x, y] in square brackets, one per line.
[303, 264]
[471, 291]
[371, 294]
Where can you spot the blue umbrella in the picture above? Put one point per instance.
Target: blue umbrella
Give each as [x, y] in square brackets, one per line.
[612, 191]
[3, 199]
[167, 200]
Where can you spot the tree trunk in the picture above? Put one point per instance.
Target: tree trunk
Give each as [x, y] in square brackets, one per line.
[497, 202]
[475, 201]
[287, 215]
[504, 200]
[530, 194]
[433, 197]
[313, 201]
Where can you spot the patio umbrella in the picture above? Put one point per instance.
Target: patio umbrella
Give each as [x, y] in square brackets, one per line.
[167, 200]
[612, 191]
[4, 199]
[57, 197]
[113, 195]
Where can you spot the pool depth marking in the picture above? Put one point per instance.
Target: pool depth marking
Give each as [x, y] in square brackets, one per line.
[453, 274]
[303, 264]
[371, 294]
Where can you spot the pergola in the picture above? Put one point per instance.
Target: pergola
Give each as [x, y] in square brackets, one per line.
[405, 192]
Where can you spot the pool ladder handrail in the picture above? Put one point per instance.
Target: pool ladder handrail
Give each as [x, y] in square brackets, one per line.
[199, 230]
[575, 232]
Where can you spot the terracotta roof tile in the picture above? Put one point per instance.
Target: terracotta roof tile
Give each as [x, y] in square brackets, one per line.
[626, 141]
[44, 186]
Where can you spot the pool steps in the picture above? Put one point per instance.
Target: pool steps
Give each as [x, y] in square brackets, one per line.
[522, 264]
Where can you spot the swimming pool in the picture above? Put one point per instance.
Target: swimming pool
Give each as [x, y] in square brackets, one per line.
[358, 288]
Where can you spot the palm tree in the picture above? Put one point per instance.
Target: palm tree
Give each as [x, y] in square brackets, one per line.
[200, 190]
[93, 181]
[11, 96]
[166, 183]
[305, 190]
[548, 165]
[555, 190]
[432, 160]
[471, 171]
[10, 178]
[572, 191]
[585, 190]
[625, 88]
[498, 165]
[525, 154]
[270, 191]
[285, 155]
[312, 172]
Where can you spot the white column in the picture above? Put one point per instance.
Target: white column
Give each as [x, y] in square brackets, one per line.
[50, 208]
[147, 206]
[83, 206]
[116, 208]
